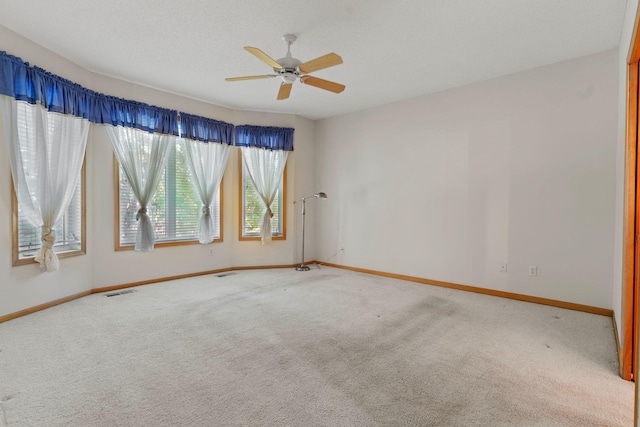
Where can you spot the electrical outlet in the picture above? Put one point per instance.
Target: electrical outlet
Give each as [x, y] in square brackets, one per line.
[503, 268]
[533, 271]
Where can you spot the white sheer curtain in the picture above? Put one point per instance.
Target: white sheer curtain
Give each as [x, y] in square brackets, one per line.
[46, 152]
[143, 157]
[265, 168]
[206, 163]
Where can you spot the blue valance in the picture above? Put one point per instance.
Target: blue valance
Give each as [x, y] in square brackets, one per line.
[125, 113]
[205, 130]
[24, 82]
[268, 137]
[34, 85]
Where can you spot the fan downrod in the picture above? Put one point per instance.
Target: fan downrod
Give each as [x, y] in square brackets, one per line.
[289, 63]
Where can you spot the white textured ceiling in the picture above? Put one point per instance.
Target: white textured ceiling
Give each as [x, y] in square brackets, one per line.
[392, 49]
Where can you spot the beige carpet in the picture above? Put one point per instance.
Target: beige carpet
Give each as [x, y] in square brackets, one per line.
[326, 347]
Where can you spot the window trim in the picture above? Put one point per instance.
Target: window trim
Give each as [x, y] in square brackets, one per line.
[116, 216]
[241, 236]
[15, 255]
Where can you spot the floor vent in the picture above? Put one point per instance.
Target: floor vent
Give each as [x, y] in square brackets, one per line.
[115, 294]
[225, 274]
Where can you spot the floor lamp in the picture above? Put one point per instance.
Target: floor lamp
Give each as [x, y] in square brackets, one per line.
[320, 195]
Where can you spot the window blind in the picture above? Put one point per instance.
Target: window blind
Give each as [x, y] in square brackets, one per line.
[253, 209]
[175, 208]
[68, 230]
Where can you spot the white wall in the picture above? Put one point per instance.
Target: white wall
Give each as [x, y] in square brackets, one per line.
[625, 43]
[24, 286]
[520, 169]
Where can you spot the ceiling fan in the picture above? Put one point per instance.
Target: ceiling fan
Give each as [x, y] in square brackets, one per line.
[290, 69]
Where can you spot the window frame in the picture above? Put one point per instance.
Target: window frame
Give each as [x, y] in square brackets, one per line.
[165, 244]
[241, 236]
[15, 254]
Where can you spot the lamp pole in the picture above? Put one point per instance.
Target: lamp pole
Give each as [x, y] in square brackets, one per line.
[303, 267]
[321, 195]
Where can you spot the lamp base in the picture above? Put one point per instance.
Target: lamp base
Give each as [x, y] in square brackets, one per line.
[302, 267]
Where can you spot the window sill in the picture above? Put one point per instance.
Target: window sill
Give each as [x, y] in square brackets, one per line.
[166, 244]
[32, 260]
[258, 238]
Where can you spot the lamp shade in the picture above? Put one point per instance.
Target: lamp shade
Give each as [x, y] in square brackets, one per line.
[320, 195]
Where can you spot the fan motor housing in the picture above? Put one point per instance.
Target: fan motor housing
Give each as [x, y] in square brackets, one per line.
[289, 62]
[288, 76]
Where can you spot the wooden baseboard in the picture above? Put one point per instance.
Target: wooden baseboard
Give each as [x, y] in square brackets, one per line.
[50, 304]
[158, 280]
[186, 276]
[502, 294]
[262, 267]
[44, 306]
[519, 297]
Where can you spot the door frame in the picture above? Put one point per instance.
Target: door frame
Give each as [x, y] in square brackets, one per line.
[631, 248]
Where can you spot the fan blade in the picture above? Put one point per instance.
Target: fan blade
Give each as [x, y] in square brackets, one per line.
[285, 90]
[263, 57]
[235, 79]
[322, 84]
[326, 61]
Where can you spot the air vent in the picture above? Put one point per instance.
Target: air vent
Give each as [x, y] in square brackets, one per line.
[225, 274]
[115, 294]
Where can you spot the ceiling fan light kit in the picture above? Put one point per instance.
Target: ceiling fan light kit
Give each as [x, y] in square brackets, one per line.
[290, 69]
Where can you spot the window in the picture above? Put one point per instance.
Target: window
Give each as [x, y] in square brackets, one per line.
[252, 209]
[47, 126]
[70, 231]
[175, 208]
